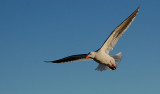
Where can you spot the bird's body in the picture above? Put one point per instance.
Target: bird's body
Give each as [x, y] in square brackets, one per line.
[104, 59]
[102, 56]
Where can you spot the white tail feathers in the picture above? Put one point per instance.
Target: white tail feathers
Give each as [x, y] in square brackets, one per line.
[117, 58]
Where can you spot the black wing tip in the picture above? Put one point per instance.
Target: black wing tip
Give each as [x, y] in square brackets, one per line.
[136, 11]
[138, 7]
[134, 14]
[57, 61]
[49, 61]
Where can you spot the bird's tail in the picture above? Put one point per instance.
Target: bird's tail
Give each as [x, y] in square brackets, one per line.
[102, 67]
[117, 58]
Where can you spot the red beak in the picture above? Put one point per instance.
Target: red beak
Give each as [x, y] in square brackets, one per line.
[87, 56]
[114, 66]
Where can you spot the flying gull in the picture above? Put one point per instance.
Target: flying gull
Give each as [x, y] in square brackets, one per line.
[101, 56]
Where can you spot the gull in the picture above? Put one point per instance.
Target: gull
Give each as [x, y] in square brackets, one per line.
[101, 56]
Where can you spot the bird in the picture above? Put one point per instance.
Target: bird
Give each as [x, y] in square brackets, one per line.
[101, 56]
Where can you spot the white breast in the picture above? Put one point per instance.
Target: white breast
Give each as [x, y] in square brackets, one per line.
[102, 57]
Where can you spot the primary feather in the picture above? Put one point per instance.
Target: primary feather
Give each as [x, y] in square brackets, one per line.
[118, 32]
[71, 58]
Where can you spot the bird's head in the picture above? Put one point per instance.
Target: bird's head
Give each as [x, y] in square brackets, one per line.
[113, 67]
[112, 64]
[91, 55]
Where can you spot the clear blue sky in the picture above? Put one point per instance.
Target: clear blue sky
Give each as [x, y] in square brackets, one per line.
[33, 31]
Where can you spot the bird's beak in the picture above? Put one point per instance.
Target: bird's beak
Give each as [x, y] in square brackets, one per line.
[87, 56]
[114, 66]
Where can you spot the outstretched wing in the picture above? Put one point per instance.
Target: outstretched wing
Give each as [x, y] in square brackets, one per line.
[118, 32]
[72, 58]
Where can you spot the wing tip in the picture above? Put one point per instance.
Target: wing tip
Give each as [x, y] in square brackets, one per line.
[136, 11]
[49, 61]
[138, 8]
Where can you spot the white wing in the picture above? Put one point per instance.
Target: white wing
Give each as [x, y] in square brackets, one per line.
[118, 32]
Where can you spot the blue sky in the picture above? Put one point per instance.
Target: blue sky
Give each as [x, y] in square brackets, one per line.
[33, 31]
